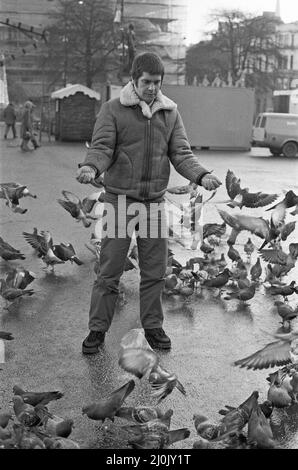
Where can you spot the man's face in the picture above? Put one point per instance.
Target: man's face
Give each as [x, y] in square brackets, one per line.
[147, 86]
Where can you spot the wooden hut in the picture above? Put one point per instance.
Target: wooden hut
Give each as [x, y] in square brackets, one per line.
[75, 112]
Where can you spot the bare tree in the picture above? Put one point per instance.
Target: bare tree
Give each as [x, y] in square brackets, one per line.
[82, 43]
[249, 41]
[241, 43]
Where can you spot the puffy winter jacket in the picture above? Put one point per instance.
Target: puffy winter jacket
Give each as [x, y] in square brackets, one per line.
[133, 146]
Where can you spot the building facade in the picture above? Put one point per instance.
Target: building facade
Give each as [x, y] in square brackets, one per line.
[159, 26]
[287, 41]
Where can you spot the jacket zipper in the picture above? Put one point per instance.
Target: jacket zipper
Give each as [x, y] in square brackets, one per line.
[147, 156]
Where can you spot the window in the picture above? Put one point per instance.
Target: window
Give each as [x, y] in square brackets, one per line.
[258, 121]
[263, 122]
[291, 62]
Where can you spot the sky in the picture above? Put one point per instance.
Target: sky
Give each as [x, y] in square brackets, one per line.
[199, 10]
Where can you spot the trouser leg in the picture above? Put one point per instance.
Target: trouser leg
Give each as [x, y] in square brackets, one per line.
[105, 290]
[153, 256]
[7, 126]
[14, 132]
[153, 264]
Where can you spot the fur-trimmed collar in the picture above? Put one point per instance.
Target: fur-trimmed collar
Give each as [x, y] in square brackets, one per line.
[128, 97]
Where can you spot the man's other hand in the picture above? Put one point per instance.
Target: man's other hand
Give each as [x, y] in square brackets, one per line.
[210, 182]
[85, 174]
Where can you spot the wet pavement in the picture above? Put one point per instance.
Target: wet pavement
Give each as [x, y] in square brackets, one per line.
[208, 333]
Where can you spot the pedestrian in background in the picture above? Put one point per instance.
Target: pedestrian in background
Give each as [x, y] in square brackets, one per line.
[27, 134]
[135, 138]
[10, 117]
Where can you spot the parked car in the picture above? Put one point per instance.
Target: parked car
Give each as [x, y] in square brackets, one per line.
[278, 132]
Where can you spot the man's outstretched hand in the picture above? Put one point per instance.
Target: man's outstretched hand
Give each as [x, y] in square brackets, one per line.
[210, 182]
[85, 174]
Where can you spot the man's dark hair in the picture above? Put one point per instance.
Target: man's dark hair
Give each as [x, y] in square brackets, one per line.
[147, 62]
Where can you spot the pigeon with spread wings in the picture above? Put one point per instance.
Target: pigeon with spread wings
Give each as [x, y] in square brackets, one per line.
[43, 244]
[79, 210]
[276, 353]
[145, 363]
[240, 197]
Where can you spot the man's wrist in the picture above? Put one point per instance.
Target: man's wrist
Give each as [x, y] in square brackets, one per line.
[81, 165]
[199, 178]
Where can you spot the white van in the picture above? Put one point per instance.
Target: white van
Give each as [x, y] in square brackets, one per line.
[278, 132]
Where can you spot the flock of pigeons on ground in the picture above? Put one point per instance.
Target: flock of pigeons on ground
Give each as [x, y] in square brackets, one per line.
[227, 273]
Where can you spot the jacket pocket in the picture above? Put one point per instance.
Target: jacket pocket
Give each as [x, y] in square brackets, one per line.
[120, 174]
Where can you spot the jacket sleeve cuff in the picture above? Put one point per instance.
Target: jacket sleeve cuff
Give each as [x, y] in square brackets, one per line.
[91, 166]
[199, 179]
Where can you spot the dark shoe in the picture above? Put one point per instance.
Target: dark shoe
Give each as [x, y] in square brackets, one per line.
[93, 341]
[157, 338]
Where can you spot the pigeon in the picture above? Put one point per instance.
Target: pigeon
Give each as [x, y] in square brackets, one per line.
[5, 435]
[243, 283]
[284, 291]
[12, 199]
[240, 197]
[276, 353]
[220, 280]
[11, 294]
[24, 412]
[242, 294]
[43, 244]
[8, 252]
[256, 225]
[107, 407]
[256, 270]
[154, 434]
[205, 248]
[239, 271]
[249, 248]
[7, 336]
[19, 278]
[143, 414]
[212, 431]
[278, 213]
[287, 229]
[37, 398]
[259, 432]
[171, 281]
[277, 393]
[66, 252]
[54, 425]
[214, 229]
[78, 209]
[143, 362]
[273, 272]
[239, 416]
[4, 419]
[286, 260]
[234, 254]
[17, 190]
[185, 290]
[286, 312]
